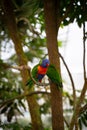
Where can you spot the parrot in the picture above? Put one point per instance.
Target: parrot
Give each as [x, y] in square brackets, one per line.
[38, 72]
[45, 68]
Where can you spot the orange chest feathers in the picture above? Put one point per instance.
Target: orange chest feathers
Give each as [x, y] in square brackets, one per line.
[42, 70]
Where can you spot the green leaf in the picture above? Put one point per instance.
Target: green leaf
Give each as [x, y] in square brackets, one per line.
[84, 120]
[4, 109]
[80, 123]
[10, 114]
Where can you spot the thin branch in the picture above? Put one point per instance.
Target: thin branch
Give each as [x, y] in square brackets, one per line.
[20, 68]
[83, 109]
[84, 51]
[78, 106]
[67, 124]
[22, 96]
[38, 83]
[73, 86]
[29, 25]
[70, 76]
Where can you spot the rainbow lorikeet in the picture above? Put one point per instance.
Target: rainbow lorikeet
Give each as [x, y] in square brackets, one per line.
[45, 68]
[42, 69]
[38, 72]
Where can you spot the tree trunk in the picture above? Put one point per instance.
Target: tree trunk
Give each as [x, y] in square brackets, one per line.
[12, 29]
[51, 32]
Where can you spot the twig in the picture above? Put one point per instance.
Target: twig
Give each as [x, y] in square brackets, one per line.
[29, 25]
[84, 108]
[22, 96]
[84, 51]
[38, 83]
[70, 76]
[78, 106]
[20, 68]
[66, 122]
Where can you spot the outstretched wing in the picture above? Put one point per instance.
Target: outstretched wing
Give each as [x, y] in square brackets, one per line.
[54, 75]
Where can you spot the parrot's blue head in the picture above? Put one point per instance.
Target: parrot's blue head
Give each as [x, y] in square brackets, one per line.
[45, 63]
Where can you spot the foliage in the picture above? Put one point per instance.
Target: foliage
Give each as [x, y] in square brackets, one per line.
[73, 10]
[10, 87]
[30, 25]
[30, 22]
[82, 119]
[15, 126]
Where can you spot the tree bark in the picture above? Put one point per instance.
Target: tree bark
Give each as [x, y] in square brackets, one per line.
[12, 30]
[50, 10]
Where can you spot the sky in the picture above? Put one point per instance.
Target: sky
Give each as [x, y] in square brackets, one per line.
[72, 51]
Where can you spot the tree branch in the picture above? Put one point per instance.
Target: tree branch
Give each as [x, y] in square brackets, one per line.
[84, 51]
[66, 122]
[22, 96]
[29, 25]
[70, 76]
[83, 109]
[73, 86]
[78, 106]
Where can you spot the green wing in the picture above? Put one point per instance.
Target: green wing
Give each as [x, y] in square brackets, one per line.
[30, 82]
[34, 72]
[54, 75]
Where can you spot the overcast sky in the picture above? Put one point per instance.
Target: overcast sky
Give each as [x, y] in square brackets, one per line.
[72, 51]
